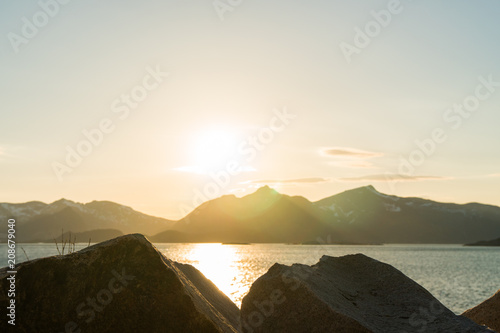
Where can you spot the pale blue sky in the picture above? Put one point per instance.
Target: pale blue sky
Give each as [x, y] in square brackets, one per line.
[226, 77]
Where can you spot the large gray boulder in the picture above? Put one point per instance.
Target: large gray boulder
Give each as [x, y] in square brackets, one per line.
[487, 313]
[122, 285]
[347, 294]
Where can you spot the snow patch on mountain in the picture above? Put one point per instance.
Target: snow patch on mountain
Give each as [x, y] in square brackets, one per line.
[332, 207]
[61, 204]
[385, 196]
[21, 212]
[390, 207]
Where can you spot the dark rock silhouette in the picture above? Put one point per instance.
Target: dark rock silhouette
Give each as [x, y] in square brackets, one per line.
[126, 285]
[487, 313]
[122, 285]
[353, 293]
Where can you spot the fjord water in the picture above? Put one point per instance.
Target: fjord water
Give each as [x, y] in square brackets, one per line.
[460, 277]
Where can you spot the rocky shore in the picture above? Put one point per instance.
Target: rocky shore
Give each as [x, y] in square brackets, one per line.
[126, 285]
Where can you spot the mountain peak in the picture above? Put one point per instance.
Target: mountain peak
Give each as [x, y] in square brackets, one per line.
[63, 202]
[266, 190]
[263, 193]
[370, 188]
[363, 190]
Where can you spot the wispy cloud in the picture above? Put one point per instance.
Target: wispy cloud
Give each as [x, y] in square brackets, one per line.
[391, 177]
[353, 164]
[290, 181]
[346, 152]
[493, 175]
[4, 154]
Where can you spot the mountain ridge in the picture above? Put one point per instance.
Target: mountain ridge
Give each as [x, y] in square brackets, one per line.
[37, 221]
[359, 215]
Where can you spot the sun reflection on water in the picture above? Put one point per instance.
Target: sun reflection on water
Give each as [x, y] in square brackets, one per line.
[217, 262]
[223, 264]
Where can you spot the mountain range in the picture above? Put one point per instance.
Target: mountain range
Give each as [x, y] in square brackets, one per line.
[362, 215]
[98, 220]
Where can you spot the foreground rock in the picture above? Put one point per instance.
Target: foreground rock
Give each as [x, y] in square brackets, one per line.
[347, 294]
[487, 313]
[122, 285]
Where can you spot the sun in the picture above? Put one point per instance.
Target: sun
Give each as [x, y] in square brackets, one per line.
[213, 148]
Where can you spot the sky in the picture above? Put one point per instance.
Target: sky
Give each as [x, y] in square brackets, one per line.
[161, 105]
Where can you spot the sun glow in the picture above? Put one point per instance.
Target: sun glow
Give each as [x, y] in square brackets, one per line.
[213, 149]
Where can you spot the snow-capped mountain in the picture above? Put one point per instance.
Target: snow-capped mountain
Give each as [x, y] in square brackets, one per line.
[361, 215]
[366, 214]
[38, 221]
[21, 211]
